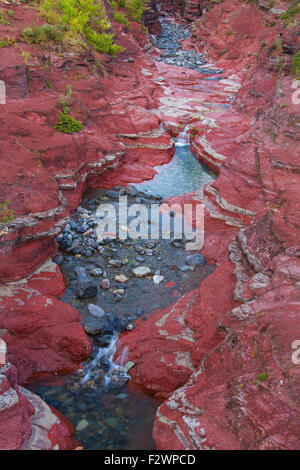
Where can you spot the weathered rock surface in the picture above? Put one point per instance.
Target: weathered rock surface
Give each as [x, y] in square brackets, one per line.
[26, 421]
[233, 337]
[221, 356]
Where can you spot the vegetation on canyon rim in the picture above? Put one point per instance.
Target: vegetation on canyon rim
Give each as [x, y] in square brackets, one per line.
[82, 22]
[6, 214]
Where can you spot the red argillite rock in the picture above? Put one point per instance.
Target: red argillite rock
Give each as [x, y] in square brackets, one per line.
[43, 334]
[50, 170]
[43, 175]
[243, 322]
[26, 421]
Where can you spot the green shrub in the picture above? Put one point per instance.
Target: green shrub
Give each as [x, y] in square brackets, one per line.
[296, 65]
[67, 124]
[289, 15]
[263, 377]
[6, 214]
[136, 8]
[120, 18]
[44, 34]
[103, 42]
[3, 18]
[7, 42]
[71, 21]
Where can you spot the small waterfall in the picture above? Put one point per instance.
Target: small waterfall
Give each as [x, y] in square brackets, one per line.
[103, 363]
[183, 139]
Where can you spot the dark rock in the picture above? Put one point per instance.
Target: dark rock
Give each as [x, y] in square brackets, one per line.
[86, 287]
[112, 194]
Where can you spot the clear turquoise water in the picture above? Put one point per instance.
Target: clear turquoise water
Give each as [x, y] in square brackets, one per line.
[183, 174]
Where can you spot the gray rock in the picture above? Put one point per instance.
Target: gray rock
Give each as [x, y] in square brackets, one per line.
[195, 260]
[141, 271]
[187, 268]
[96, 311]
[93, 325]
[96, 272]
[117, 263]
[86, 287]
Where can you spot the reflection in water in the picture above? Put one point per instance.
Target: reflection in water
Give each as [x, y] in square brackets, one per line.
[184, 174]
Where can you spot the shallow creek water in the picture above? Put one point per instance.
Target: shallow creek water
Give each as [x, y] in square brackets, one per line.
[107, 410]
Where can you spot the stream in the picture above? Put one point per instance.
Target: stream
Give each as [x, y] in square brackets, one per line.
[107, 410]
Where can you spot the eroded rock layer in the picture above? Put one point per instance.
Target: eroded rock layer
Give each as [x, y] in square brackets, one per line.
[221, 356]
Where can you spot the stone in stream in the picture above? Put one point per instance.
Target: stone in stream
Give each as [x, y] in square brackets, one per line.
[157, 279]
[112, 194]
[93, 325]
[129, 191]
[95, 310]
[121, 278]
[141, 271]
[96, 272]
[107, 324]
[86, 287]
[117, 263]
[83, 423]
[105, 284]
[195, 260]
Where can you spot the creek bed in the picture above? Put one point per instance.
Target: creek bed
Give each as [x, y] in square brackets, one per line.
[107, 410]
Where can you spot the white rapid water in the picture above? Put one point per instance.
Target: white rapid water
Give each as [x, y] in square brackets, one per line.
[183, 139]
[113, 372]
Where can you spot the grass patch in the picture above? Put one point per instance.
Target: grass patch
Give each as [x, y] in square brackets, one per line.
[6, 214]
[263, 377]
[296, 65]
[288, 16]
[3, 18]
[74, 23]
[44, 35]
[7, 42]
[121, 18]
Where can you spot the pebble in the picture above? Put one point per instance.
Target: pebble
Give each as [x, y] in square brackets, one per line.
[121, 278]
[157, 279]
[141, 271]
[119, 291]
[117, 263]
[105, 284]
[187, 268]
[83, 423]
[96, 272]
[95, 310]
[195, 260]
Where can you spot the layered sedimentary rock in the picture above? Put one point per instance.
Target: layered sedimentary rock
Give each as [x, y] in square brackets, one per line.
[26, 421]
[43, 175]
[189, 9]
[223, 355]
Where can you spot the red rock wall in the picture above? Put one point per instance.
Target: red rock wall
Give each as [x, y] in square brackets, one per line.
[212, 346]
[222, 355]
[44, 173]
